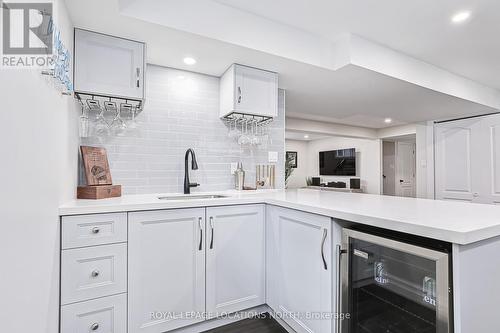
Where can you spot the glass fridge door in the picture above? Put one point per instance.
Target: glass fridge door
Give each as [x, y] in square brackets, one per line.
[393, 287]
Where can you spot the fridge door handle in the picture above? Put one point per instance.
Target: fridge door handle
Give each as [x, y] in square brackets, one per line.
[339, 252]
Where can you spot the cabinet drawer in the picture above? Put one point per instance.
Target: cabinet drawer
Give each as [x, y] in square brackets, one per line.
[108, 314]
[88, 230]
[93, 272]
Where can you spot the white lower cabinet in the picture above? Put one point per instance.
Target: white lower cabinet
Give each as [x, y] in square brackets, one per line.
[107, 314]
[299, 269]
[93, 272]
[235, 258]
[166, 288]
[182, 264]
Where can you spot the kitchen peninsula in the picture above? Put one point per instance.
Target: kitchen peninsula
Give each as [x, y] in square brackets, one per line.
[250, 241]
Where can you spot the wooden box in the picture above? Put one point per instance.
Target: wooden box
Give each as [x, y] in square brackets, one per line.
[99, 191]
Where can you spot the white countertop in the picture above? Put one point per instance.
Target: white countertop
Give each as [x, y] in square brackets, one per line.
[455, 222]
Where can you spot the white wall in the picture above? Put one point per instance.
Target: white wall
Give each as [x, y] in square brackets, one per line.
[368, 160]
[299, 174]
[181, 112]
[38, 130]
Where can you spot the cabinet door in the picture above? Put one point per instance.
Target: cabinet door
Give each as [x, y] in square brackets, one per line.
[458, 164]
[256, 91]
[108, 65]
[235, 258]
[300, 270]
[166, 269]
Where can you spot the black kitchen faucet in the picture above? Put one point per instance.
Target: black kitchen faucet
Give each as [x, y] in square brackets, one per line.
[194, 166]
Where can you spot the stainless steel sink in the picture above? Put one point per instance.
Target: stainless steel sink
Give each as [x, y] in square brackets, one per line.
[193, 197]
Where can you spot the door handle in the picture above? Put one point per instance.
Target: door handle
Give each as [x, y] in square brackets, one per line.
[339, 253]
[401, 181]
[138, 75]
[239, 95]
[201, 234]
[325, 233]
[212, 232]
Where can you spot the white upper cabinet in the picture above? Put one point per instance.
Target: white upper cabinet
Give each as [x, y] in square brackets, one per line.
[109, 66]
[300, 269]
[235, 258]
[250, 91]
[166, 273]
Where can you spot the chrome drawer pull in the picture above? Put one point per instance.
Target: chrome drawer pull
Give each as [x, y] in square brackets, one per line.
[95, 273]
[94, 327]
[95, 230]
[201, 234]
[212, 232]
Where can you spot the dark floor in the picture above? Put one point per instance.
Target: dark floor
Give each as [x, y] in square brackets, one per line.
[253, 325]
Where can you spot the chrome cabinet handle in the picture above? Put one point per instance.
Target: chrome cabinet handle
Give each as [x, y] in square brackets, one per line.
[325, 233]
[201, 233]
[212, 232]
[95, 273]
[239, 95]
[95, 230]
[94, 327]
[138, 74]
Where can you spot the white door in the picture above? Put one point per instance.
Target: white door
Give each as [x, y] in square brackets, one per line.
[235, 258]
[488, 159]
[389, 167]
[166, 270]
[256, 91]
[299, 268]
[457, 170]
[405, 169]
[108, 65]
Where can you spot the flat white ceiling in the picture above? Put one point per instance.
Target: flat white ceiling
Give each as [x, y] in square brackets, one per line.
[299, 136]
[351, 95]
[420, 28]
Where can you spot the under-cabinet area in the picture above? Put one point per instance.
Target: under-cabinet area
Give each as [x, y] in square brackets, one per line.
[194, 269]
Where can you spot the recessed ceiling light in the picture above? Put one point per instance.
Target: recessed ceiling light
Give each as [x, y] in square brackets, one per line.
[460, 17]
[189, 61]
[306, 136]
[387, 120]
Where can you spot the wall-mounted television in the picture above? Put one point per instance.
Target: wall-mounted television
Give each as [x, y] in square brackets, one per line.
[340, 162]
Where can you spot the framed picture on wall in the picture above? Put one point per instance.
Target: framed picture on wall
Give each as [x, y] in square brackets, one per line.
[291, 157]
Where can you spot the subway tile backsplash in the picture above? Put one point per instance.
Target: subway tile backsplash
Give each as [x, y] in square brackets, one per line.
[181, 112]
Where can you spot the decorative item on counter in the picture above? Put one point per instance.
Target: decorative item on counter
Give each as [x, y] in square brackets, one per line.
[239, 177]
[265, 176]
[97, 175]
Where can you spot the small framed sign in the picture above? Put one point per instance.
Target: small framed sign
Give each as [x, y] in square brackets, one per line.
[291, 157]
[95, 163]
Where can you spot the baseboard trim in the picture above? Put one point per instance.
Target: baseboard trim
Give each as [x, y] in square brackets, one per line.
[231, 318]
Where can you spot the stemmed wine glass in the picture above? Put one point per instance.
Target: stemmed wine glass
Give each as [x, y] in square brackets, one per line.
[244, 139]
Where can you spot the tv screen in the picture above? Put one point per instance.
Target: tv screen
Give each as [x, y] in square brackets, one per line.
[337, 162]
